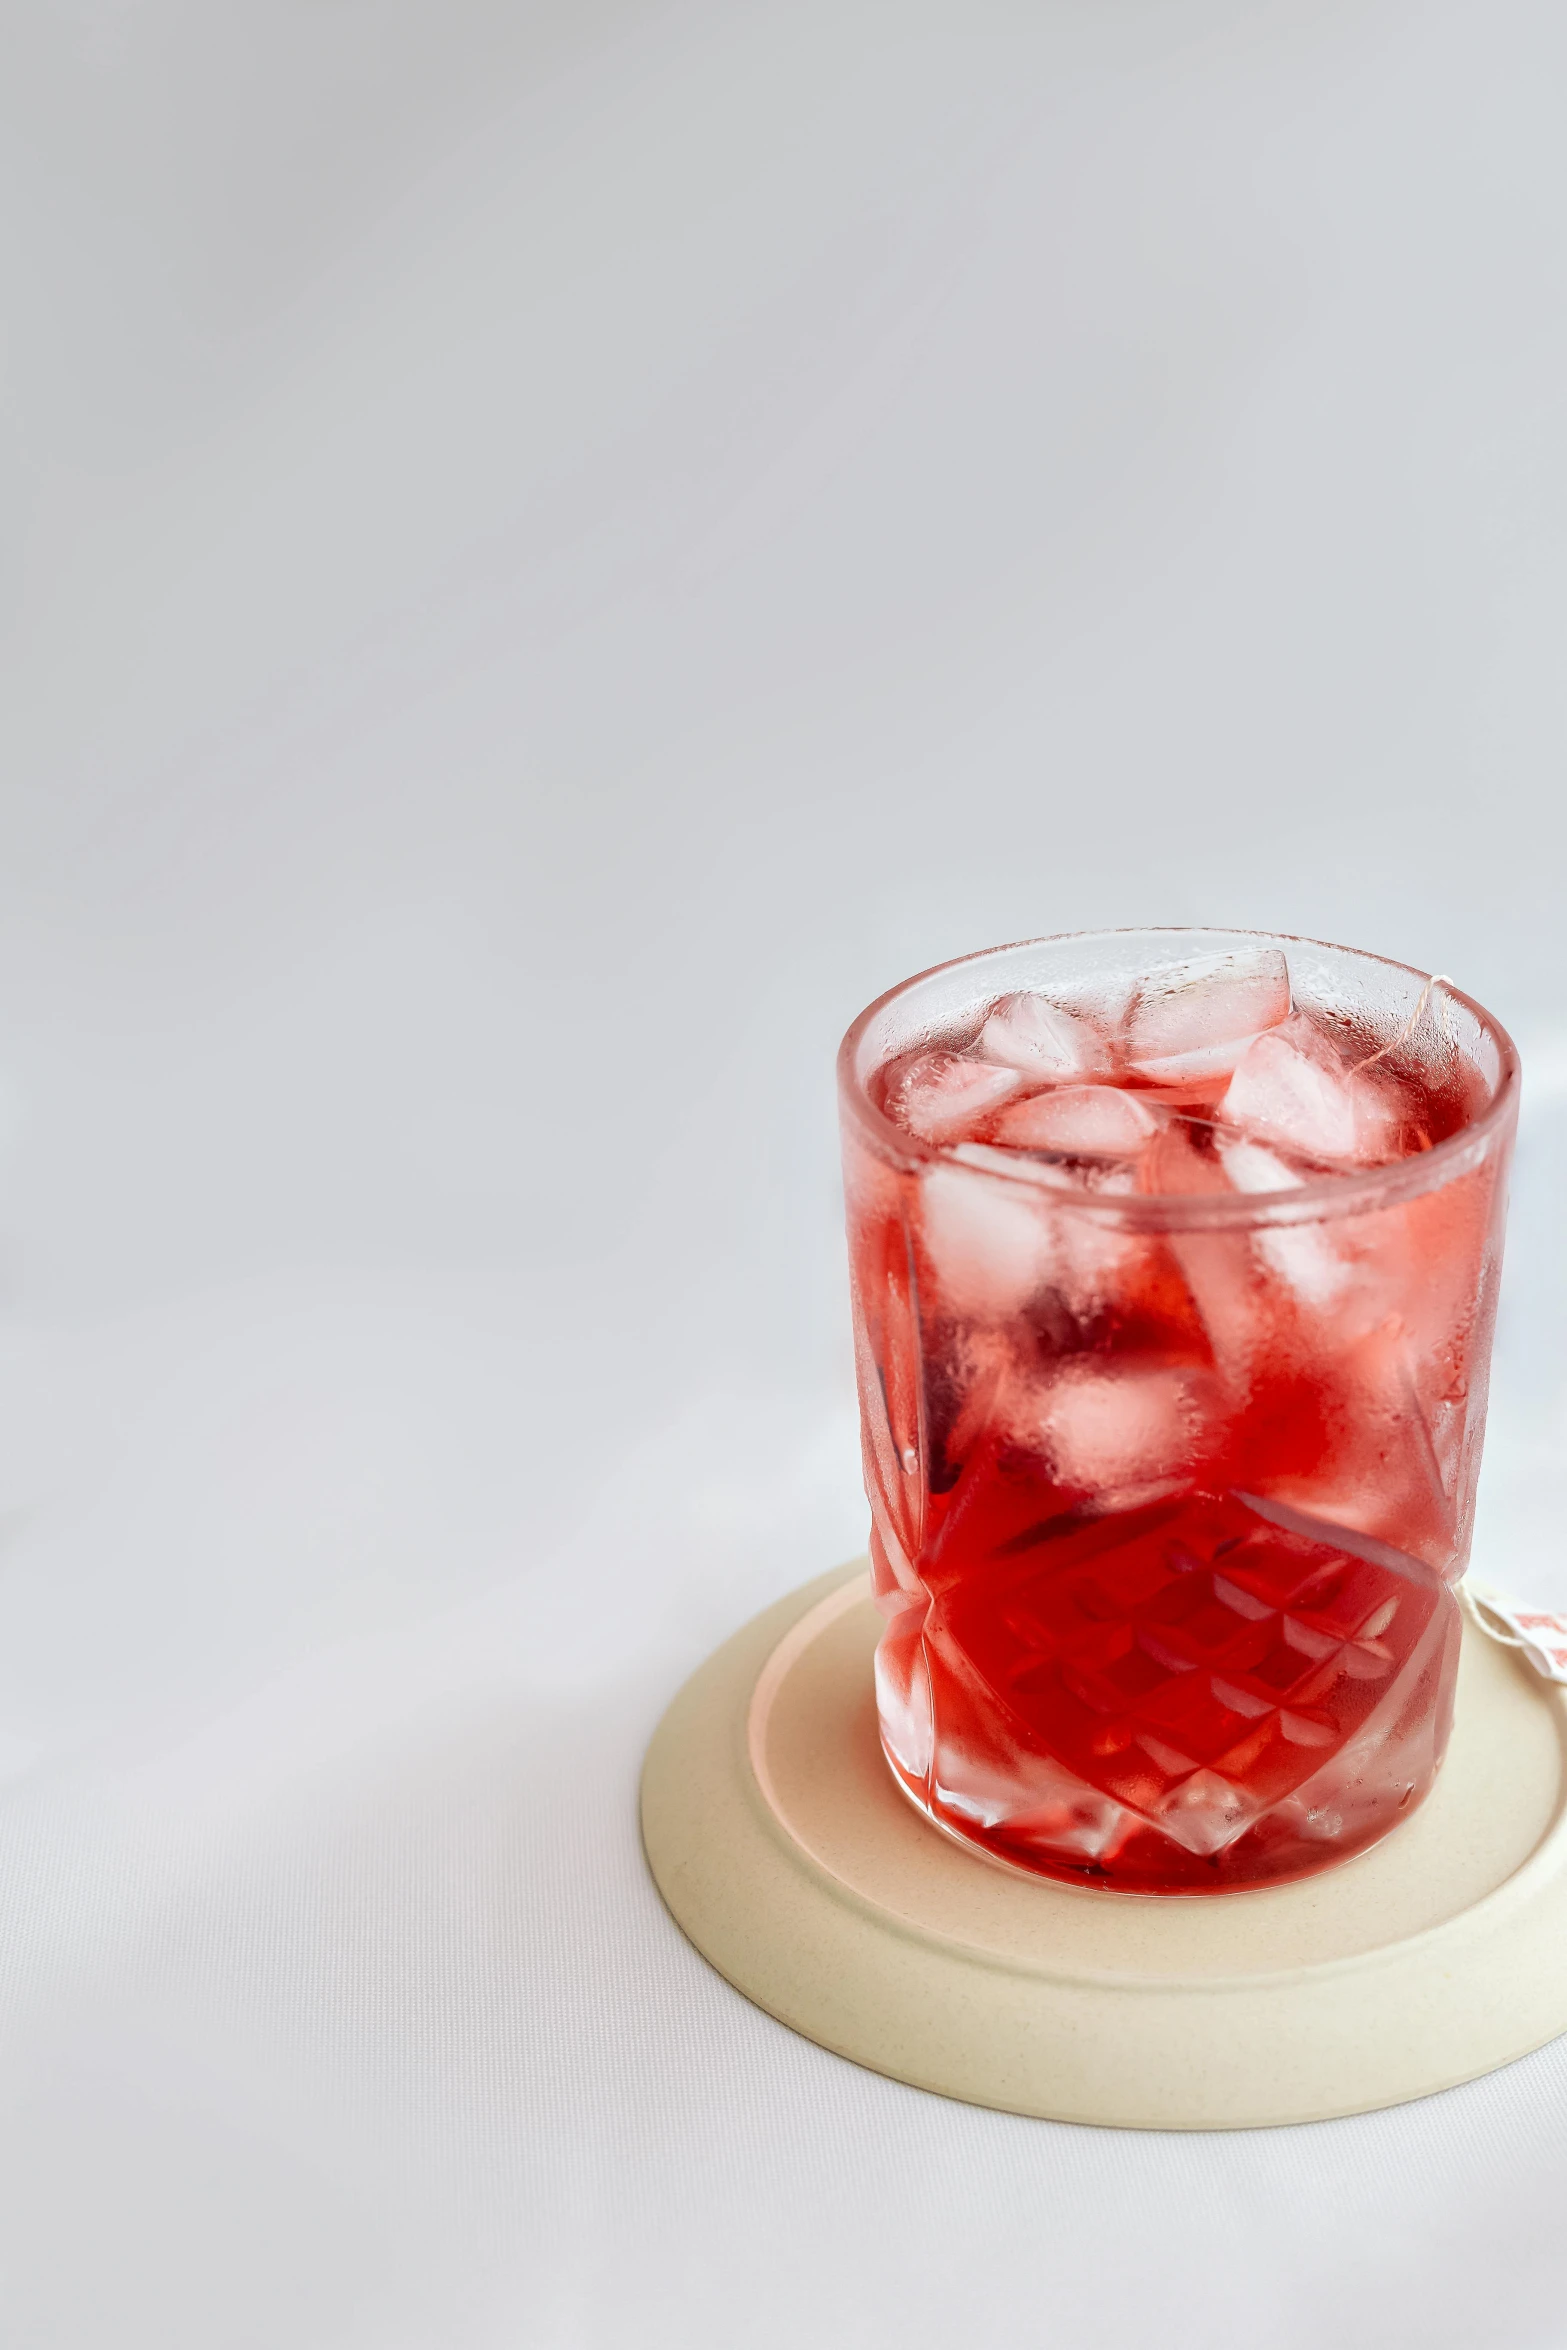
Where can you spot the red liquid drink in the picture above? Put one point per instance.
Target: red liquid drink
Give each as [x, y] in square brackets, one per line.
[1174, 1265]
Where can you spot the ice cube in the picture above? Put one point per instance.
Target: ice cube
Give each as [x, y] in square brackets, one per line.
[1317, 1273]
[1095, 1263]
[994, 1244]
[1254, 1288]
[1338, 1278]
[1342, 1276]
[1080, 1174]
[1085, 1121]
[988, 1240]
[1293, 1086]
[1220, 1268]
[1128, 1433]
[1252, 1166]
[1031, 1034]
[1193, 1020]
[1052, 1174]
[938, 1095]
[1175, 1160]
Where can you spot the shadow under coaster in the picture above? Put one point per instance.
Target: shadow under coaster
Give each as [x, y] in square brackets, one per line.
[786, 1853]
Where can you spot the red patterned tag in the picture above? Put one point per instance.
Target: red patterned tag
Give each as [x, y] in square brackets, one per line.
[1541, 1635]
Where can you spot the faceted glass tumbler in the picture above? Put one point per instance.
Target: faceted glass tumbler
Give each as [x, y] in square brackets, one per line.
[1170, 1492]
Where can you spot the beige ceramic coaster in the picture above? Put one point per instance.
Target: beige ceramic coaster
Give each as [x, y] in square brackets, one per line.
[786, 1853]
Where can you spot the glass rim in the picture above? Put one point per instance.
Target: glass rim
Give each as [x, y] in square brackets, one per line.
[1345, 1193]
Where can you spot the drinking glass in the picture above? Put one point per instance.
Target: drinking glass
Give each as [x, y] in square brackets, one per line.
[1172, 1385]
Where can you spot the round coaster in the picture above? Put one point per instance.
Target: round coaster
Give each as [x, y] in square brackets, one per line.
[788, 1855]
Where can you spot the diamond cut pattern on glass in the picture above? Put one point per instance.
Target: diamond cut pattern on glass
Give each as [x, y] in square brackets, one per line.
[1193, 1664]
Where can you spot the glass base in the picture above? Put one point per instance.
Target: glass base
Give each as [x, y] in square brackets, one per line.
[1213, 1702]
[1252, 1872]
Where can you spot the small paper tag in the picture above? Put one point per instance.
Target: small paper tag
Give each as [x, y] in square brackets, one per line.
[1541, 1635]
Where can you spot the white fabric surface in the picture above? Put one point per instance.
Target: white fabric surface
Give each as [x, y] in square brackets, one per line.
[551, 552]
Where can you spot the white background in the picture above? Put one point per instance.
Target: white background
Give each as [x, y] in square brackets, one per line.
[550, 552]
